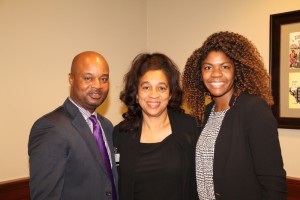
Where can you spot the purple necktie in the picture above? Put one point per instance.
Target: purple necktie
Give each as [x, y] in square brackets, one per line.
[102, 148]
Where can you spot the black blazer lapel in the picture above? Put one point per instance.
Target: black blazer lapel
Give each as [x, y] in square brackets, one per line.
[178, 130]
[130, 155]
[132, 146]
[222, 144]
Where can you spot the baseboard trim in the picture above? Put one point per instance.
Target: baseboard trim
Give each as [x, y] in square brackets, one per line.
[18, 189]
[293, 187]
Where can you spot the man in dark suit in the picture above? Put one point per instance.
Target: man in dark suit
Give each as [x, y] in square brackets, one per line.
[65, 162]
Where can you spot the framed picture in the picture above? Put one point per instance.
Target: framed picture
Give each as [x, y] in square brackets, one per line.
[285, 68]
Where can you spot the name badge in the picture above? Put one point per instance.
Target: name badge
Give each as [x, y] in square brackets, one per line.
[117, 156]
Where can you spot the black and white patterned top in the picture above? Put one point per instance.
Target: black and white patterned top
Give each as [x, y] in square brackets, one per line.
[205, 155]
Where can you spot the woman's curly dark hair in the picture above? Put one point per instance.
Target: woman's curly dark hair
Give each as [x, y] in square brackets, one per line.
[250, 73]
[141, 64]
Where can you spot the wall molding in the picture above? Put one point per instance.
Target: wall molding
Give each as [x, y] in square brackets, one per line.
[293, 186]
[18, 189]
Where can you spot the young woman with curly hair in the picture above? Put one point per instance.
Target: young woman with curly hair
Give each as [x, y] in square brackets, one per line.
[238, 154]
[156, 140]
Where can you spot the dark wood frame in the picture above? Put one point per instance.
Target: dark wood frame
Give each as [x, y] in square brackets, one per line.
[276, 21]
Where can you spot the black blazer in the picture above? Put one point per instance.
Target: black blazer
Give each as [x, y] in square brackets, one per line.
[247, 162]
[65, 162]
[127, 144]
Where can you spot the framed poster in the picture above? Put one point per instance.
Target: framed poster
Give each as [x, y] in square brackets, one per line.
[285, 68]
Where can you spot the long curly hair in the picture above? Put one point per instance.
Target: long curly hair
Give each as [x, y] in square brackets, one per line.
[250, 73]
[141, 64]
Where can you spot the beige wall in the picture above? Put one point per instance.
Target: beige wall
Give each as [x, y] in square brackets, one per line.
[39, 39]
[178, 27]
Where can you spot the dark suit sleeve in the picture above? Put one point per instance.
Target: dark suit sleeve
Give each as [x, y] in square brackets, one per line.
[48, 153]
[265, 150]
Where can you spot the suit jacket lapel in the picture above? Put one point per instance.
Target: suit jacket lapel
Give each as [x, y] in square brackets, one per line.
[84, 131]
[108, 129]
[108, 136]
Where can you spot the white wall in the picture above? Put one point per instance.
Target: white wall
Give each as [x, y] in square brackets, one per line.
[38, 40]
[178, 27]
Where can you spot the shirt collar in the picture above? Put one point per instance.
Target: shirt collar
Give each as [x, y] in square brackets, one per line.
[85, 113]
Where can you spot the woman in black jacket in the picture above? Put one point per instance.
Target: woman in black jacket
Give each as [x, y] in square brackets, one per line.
[156, 141]
[238, 154]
